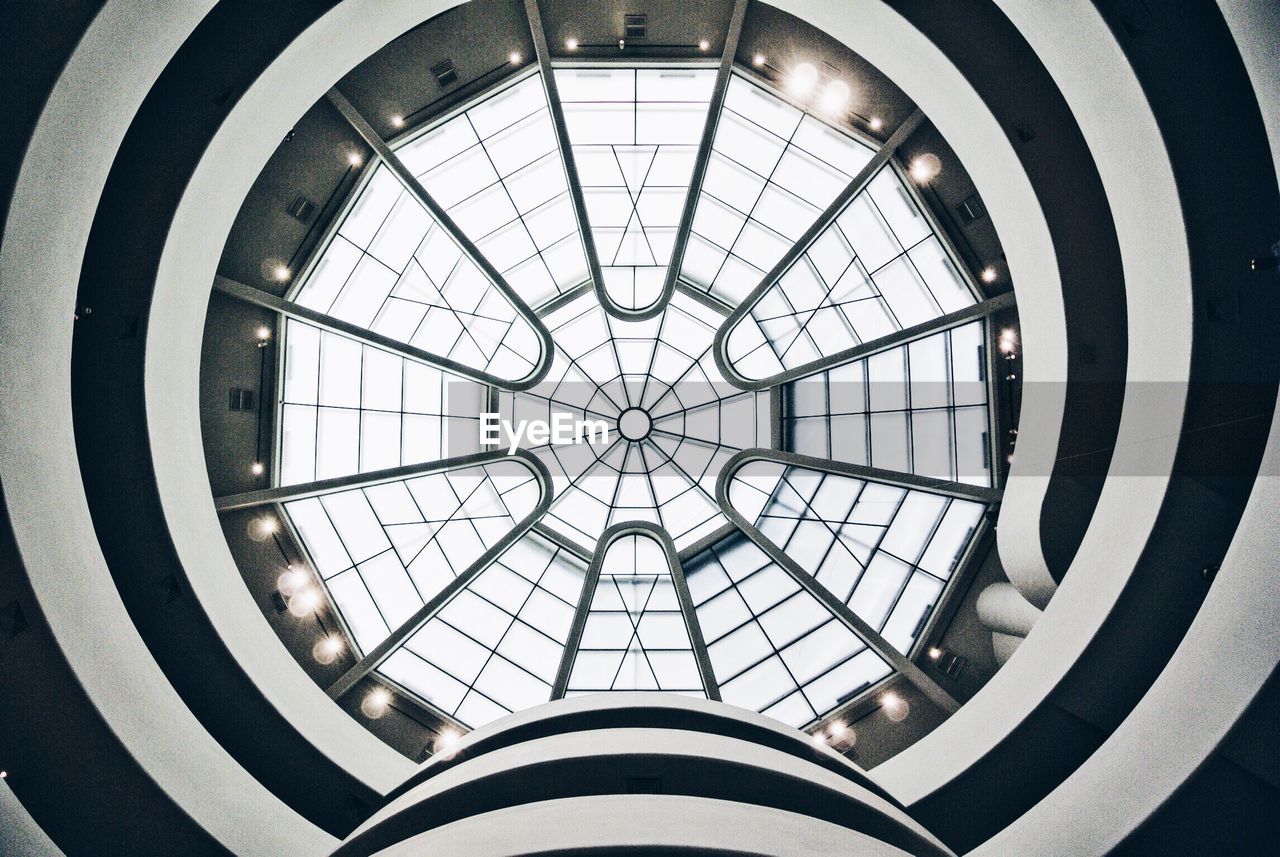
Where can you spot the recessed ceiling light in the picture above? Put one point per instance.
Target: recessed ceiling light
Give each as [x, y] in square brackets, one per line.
[989, 274]
[397, 121]
[802, 79]
[835, 96]
[876, 123]
[376, 703]
[571, 44]
[515, 58]
[704, 45]
[758, 60]
[327, 649]
[354, 159]
[304, 602]
[257, 468]
[894, 707]
[925, 168]
[281, 273]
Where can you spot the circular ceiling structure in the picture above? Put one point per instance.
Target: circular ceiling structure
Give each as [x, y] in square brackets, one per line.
[444, 306]
[543, 370]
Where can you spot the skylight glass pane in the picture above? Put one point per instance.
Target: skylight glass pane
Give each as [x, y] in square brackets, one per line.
[865, 542]
[385, 550]
[919, 408]
[878, 268]
[635, 135]
[496, 646]
[774, 648]
[392, 269]
[636, 636]
[497, 170]
[663, 366]
[350, 408]
[773, 170]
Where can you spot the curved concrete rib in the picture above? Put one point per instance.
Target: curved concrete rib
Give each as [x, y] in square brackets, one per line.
[690, 763]
[640, 824]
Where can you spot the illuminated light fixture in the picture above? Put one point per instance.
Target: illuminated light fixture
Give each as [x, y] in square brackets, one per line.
[293, 580]
[447, 742]
[925, 168]
[257, 468]
[281, 273]
[894, 707]
[1008, 340]
[304, 602]
[376, 703]
[989, 274]
[327, 649]
[571, 44]
[839, 729]
[876, 123]
[935, 653]
[704, 45]
[835, 96]
[261, 529]
[818, 739]
[514, 58]
[397, 121]
[802, 79]
[354, 159]
[758, 60]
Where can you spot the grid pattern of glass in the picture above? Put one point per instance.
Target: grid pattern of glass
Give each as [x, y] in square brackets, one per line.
[635, 637]
[385, 550]
[497, 170]
[773, 646]
[878, 268]
[917, 408]
[773, 170]
[664, 366]
[496, 646]
[635, 135]
[886, 552]
[346, 407]
[393, 269]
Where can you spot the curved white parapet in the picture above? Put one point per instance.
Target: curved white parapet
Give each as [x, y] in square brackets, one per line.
[760, 770]
[1090, 69]
[612, 824]
[1229, 651]
[1002, 608]
[54, 202]
[299, 76]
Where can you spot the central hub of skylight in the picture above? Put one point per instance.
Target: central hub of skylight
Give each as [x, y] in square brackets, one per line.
[634, 424]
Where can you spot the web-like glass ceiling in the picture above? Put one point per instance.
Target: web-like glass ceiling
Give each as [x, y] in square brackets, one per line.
[766, 538]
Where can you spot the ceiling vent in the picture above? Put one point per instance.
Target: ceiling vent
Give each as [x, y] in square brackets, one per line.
[302, 209]
[635, 26]
[971, 209]
[240, 399]
[445, 73]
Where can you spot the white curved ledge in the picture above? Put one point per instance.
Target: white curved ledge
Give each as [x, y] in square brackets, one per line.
[55, 198]
[299, 76]
[1093, 74]
[1229, 651]
[639, 822]
[656, 743]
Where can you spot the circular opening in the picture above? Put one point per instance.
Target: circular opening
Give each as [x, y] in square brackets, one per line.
[634, 424]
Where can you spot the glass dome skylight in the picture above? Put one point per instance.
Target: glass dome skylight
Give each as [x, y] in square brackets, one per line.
[797, 451]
